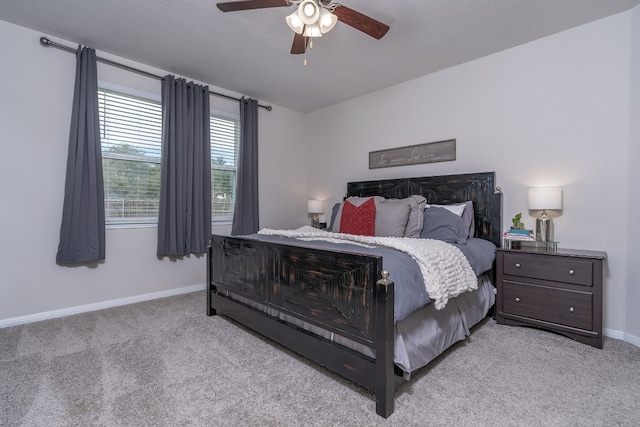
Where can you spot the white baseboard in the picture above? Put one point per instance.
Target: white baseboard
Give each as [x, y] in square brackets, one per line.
[632, 339]
[613, 333]
[624, 336]
[20, 320]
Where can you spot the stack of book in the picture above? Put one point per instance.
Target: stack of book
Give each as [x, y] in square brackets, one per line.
[519, 234]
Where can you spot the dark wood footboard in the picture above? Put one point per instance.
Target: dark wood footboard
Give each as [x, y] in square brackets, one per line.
[340, 292]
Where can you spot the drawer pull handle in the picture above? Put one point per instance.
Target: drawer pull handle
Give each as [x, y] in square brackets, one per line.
[571, 309]
[518, 265]
[571, 272]
[518, 300]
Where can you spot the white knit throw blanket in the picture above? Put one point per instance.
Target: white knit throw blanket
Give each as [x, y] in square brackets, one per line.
[446, 271]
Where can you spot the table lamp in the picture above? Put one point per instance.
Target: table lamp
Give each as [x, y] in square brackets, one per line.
[315, 207]
[545, 198]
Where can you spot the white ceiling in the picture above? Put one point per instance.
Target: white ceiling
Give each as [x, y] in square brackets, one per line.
[247, 52]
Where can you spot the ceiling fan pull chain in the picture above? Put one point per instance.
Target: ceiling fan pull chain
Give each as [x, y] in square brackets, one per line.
[305, 53]
[310, 40]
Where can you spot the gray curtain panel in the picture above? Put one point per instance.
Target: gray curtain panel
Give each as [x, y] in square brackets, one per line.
[184, 219]
[245, 215]
[82, 232]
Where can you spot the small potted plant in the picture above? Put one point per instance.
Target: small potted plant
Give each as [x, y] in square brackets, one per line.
[518, 232]
[517, 224]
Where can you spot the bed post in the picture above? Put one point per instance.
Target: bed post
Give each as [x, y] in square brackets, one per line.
[210, 310]
[384, 375]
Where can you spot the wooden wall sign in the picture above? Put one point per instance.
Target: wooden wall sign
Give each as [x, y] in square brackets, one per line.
[431, 152]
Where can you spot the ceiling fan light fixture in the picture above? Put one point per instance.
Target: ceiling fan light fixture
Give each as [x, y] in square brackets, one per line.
[308, 12]
[294, 22]
[312, 30]
[312, 18]
[327, 20]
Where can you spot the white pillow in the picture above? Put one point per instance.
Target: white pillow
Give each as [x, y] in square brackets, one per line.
[456, 209]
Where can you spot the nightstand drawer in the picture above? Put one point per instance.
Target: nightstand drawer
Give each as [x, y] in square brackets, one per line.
[562, 306]
[558, 269]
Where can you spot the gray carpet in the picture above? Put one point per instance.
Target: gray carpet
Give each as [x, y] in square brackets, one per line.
[164, 362]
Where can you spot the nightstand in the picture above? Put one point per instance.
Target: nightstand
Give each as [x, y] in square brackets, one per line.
[559, 291]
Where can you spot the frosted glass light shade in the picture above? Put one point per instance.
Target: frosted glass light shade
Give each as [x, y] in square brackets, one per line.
[308, 12]
[312, 30]
[314, 206]
[326, 21]
[294, 22]
[545, 198]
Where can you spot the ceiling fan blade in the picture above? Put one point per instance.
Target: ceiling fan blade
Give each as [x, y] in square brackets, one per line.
[299, 44]
[361, 22]
[232, 6]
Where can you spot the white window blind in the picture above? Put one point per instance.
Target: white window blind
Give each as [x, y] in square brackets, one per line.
[131, 132]
[224, 163]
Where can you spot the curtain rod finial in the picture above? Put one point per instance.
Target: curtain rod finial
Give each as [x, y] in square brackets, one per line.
[45, 41]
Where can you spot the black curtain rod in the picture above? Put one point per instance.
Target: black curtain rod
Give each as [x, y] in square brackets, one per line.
[45, 42]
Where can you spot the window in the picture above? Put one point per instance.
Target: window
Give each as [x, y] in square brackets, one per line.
[131, 138]
[130, 132]
[225, 137]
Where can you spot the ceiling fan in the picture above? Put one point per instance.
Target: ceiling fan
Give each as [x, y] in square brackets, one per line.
[312, 18]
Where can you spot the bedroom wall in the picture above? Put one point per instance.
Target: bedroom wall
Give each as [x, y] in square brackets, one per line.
[633, 314]
[551, 112]
[35, 107]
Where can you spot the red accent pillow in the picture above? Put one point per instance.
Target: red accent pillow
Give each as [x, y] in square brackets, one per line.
[358, 219]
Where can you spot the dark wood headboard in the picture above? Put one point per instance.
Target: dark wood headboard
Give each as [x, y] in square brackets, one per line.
[446, 189]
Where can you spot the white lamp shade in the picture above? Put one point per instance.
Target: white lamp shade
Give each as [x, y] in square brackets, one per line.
[312, 30]
[294, 22]
[545, 198]
[314, 206]
[308, 12]
[326, 21]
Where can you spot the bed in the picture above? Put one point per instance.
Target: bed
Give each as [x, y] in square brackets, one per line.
[337, 304]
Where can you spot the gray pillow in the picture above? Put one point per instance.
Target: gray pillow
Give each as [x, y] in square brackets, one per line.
[468, 219]
[413, 224]
[334, 214]
[391, 219]
[442, 224]
[467, 214]
[416, 215]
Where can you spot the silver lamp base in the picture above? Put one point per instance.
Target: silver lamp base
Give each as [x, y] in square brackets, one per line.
[315, 221]
[544, 228]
